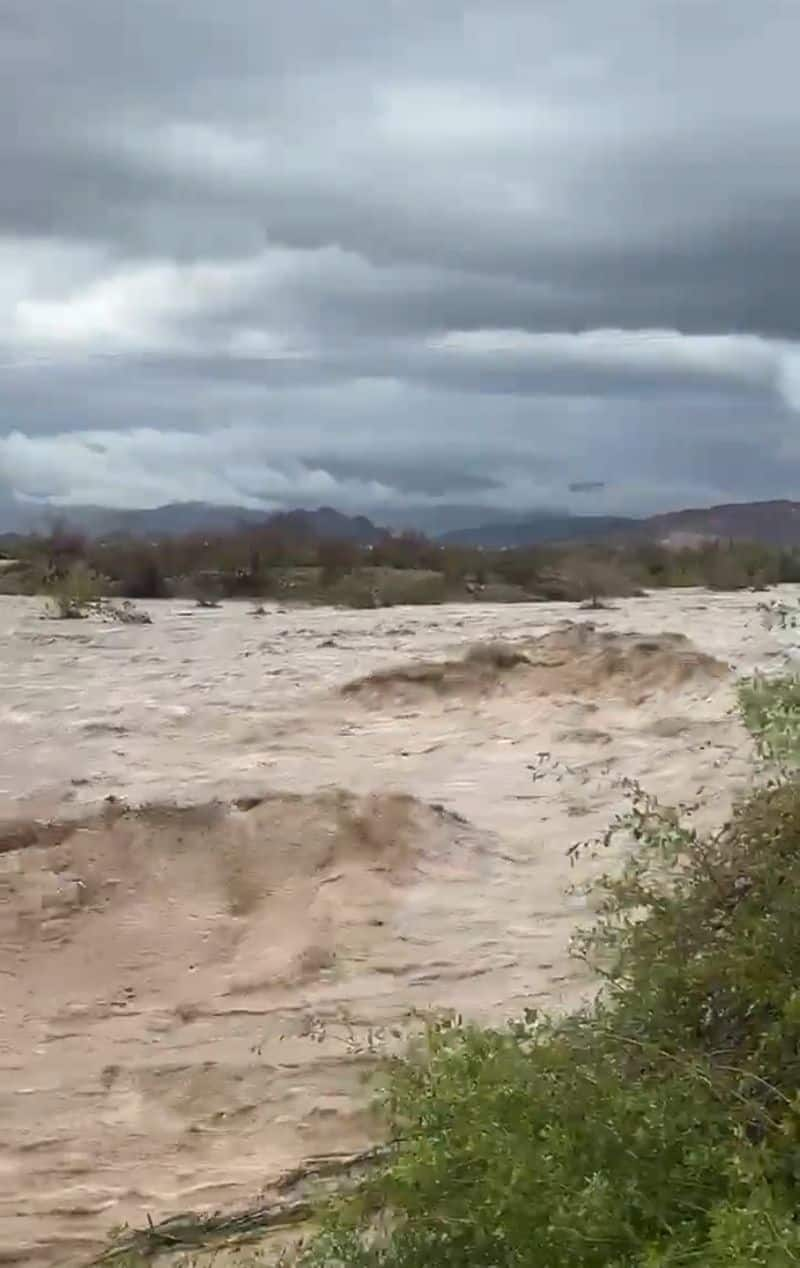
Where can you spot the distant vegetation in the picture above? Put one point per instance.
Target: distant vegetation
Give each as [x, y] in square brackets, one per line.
[278, 561]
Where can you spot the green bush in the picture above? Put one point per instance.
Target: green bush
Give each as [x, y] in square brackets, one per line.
[658, 1127]
[770, 708]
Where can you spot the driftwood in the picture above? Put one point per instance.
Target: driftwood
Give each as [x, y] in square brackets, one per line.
[193, 1231]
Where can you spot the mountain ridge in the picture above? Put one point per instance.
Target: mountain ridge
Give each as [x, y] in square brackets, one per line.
[774, 522]
[176, 519]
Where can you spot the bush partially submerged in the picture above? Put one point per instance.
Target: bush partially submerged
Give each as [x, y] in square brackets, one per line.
[771, 710]
[73, 595]
[661, 1125]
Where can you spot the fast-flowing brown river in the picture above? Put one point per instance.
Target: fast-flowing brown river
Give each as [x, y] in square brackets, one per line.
[225, 878]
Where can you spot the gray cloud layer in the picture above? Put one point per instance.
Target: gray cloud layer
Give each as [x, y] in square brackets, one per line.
[386, 254]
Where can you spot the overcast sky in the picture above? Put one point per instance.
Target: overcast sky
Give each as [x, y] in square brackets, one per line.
[382, 254]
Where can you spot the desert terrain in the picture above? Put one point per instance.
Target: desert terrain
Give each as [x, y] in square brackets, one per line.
[240, 855]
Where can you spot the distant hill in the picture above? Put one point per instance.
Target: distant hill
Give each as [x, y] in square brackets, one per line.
[541, 527]
[178, 519]
[773, 523]
[327, 523]
[99, 521]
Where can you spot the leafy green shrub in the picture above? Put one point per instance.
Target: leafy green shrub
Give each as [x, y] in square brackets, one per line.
[660, 1126]
[770, 708]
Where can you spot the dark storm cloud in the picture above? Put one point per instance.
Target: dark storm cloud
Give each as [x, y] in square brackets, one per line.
[399, 251]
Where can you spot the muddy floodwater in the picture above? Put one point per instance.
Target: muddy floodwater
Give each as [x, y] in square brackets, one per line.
[240, 854]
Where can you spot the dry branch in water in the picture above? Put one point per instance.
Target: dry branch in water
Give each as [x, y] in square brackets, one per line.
[192, 1230]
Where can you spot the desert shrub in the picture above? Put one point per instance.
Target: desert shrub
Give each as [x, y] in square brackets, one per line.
[523, 568]
[503, 592]
[207, 588]
[19, 576]
[407, 550]
[653, 562]
[589, 579]
[584, 577]
[64, 546]
[738, 565]
[245, 583]
[253, 579]
[251, 561]
[463, 563]
[788, 566]
[385, 587]
[72, 595]
[727, 573]
[355, 591]
[143, 577]
[659, 1126]
[415, 587]
[336, 559]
